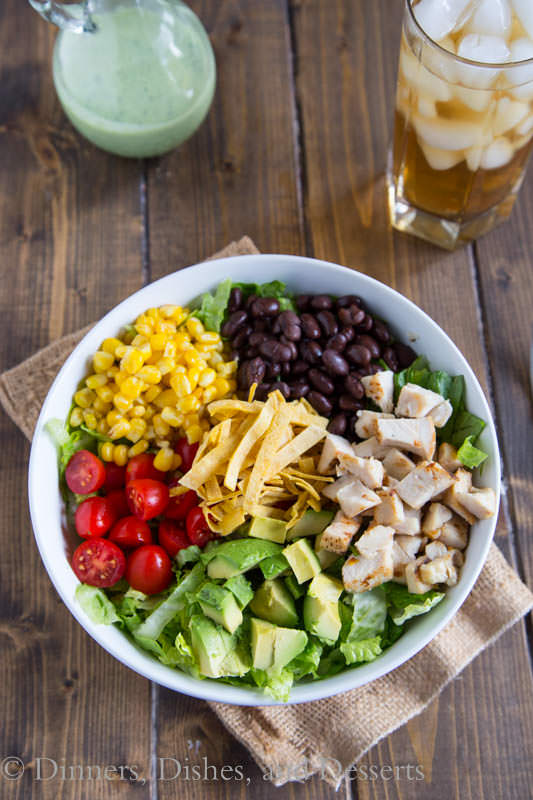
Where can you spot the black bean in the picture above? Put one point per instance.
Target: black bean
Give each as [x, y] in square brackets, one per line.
[337, 424]
[391, 359]
[328, 322]
[299, 389]
[300, 367]
[276, 326]
[292, 347]
[347, 300]
[353, 315]
[275, 351]
[370, 343]
[273, 369]
[353, 386]
[320, 403]
[372, 368]
[282, 387]
[257, 337]
[235, 299]
[310, 326]
[251, 352]
[358, 354]
[310, 352]
[321, 381]
[348, 333]
[249, 300]
[337, 342]
[288, 318]
[262, 391]
[252, 371]
[321, 302]
[406, 355]
[265, 307]
[335, 363]
[349, 403]
[286, 369]
[302, 302]
[381, 331]
[241, 337]
[235, 321]
[366, 324]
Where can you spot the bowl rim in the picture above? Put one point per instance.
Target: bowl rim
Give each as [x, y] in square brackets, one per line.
[213, 690]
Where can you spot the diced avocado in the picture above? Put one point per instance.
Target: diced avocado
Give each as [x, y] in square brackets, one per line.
[262, 640]
[311, 523]
[241, 588]
[302, 560]
[273, 602]
[274, 530]
[321, 617]
[273, 566]
[325, 587]
[326, 557]
[231, 558]
[294, 587]
[237, 662]
[220, 605]
[273, 646]
[210, 644]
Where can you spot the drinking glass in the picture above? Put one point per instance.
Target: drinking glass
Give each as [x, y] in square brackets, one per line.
[463, 126]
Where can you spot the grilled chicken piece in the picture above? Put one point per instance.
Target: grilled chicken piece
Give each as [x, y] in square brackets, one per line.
[439, 570]
[414, 583]
[462, 485]
[441, 413]
[390, 511]
[410, 544]
[370, 449]
[479, 502]
[415, 401]
[337, 536]
[414, 435]
[351, 494]
[333, 446]
[369, 470]
[397, 464]
[365, 427]
[380, 388]
[447, 457]
[374, 539]
[435, 549]
[410, 525]
[454, 533]
[434, 519]
[423, 483]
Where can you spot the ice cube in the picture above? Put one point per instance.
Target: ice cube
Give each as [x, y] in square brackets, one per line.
[447, 134]
[508, 114]
[497, 154]
[492, 17]
[441, 159]
[427, 106]
[524, 11]
[473, 157]
[484, 50]
[526, 126]
[438, 18]
[521, 78]
[476, 99]
[438, 62]
[421, 79]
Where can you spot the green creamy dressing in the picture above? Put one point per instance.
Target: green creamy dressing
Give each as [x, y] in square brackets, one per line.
[142, 83]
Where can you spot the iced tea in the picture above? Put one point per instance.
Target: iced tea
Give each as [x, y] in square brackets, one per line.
[464, 116]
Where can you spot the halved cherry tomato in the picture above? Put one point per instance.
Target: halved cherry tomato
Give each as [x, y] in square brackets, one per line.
[99, 563]
[119, 501]
[149, 569]
[115, 477]
[142, 466]
[147, 498]
[178, 507]
[187, 452]
[172, 537]
[85, 473]
[130, 532]
[94, 516]
[198, 530]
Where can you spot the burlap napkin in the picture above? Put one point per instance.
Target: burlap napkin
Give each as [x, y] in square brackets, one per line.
[324, 736]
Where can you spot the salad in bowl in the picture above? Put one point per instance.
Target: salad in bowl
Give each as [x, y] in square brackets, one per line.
[267, 489]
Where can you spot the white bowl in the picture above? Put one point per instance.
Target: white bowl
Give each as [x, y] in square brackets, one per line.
[407, 321]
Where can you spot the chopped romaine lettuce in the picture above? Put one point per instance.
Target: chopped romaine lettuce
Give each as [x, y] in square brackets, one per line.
[273, 566]
[369, 614]
[213, 306]
[361, 650]
[405, 605]
[188, 555]
[467, 426]
[156, 621]
[68, 443]
[96, 604]
[469, 455]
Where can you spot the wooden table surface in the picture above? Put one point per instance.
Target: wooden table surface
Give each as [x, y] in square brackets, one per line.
[293, 154]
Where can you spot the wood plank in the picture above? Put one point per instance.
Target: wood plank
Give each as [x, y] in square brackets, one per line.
[70, 249]
[346, 62]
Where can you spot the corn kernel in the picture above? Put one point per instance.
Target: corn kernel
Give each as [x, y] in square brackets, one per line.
[113, 417]
[137, 430]
[215, 358]
[122, 403]
[209, 337]
[209, 394]
[176, 462]
[207, 377]
[191, 357]
[168, 310]
[193, 374]
[171, 416]
[132, 361]
[162, 443]
[138, 411]
[138, 340]
[102, 361]
[191, 419]
[151, 393]
[106, 451]
[101, 407]
[149, 433]
[84, 398]
[161, 427]
[222, 386]
[167, 397]
[167, 326]
[120, 455]
[102, 427]
[183, 341]
[76, 417]
[165, 365]
[149, 413]
[194, 434]
[149, 374]
[181, 385]
[144, 328]
[194, 326]
[110, 345]
[187, 404]
[180, 315]
[158, 341]
[120, 377]
[227, 368]
[153, 314]
[105, 393]
[140, 447]
[132, 388]
[90, 420]
[119, 429]
[121, 350]
[164, 459]
[170, 350]
[112, 371]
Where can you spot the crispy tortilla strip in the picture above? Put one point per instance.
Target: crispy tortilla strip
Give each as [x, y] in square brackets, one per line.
[209, 463]
[290, 452]
[300, 483]
[224, 408]
[260, 510]
[176, 491]
[280, 426]
[212, 490]
[252, 435]
[308, 476]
